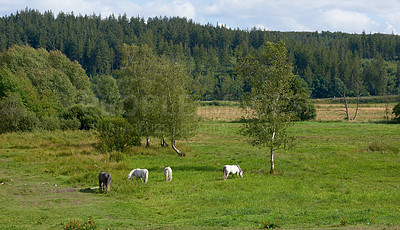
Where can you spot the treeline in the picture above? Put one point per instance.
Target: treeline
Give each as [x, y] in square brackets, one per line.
[331, 64]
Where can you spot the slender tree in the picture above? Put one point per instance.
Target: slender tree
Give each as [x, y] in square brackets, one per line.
[137, 75]
[268, 102]
[155, 94]
[178, 111]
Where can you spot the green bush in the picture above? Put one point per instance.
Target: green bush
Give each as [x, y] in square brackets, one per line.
[76, 225]
[70, 124]
[15, 116]
[304, 109]
[50, 123]
[396, 111]
[116, 133]
[88, 115]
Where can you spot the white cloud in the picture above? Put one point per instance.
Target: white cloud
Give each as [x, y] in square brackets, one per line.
[179, 8]
[346, 21]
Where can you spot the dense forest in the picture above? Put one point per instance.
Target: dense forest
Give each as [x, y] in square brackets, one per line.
[330, 64]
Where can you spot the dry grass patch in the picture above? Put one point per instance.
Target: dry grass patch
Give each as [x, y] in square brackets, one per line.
[366, 112]
[325, 112]
[220, 113]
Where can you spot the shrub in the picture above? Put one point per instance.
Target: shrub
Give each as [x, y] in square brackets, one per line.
[396, 111]
[15, 116]
[88, 115]
[76, 225]
[304, 109]
[70, 124]
[116, 133]
[50, 123]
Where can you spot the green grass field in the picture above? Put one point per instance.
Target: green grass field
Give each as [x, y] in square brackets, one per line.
[338, 175]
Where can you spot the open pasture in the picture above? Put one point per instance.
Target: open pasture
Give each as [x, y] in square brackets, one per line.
[338, 175]
[326, 111]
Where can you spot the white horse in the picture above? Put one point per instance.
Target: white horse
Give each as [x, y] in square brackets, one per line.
[143, 174]
[168, 173]
[234, 169]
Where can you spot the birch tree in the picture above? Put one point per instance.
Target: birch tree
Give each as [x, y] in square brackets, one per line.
[178, 111]
[155, 95]
[137, 75]
[268, 103]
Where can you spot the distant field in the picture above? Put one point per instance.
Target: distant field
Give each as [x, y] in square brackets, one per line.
[326, 111]
[339, 175]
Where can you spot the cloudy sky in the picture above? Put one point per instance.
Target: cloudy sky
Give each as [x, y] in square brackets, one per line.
[350, 16]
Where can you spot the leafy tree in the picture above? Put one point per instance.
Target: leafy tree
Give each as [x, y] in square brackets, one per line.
[155, 94]
[374, 76]
[46, 81]
[139, 68]
[320, 87]
[300, 103]
[178, 111]
[115, 134]
[106, 89]
[271, 78]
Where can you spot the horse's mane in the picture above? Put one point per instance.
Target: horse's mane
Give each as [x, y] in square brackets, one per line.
[240, 169]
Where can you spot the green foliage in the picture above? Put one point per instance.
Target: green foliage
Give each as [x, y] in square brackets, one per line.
[88, 115]
[271, 78]
[115, 134]
[47, 82]
[50, 123]
[208, 51]
[15, 116]
[301, 104]
[396, 111]
[137, 78]
[70, 124]
[76, 225]
[106, 89]
[156, 99]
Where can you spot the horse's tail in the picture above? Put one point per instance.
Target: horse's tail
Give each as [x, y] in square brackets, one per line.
[108, 182]
[225, 172]
[146, 176]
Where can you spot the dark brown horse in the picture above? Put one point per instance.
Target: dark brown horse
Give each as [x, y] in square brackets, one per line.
[104, 181]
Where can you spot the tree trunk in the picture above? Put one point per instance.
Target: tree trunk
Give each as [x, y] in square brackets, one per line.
[163, 143]
[347, 107]
[177, 150]
[272, 170]
[147, 142]
[358, 103]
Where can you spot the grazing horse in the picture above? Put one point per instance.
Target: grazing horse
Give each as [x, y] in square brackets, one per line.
[234, 169]
[168, 173]
[104, 181]
[143, 174]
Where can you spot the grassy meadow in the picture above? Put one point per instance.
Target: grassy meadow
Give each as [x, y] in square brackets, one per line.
[339, 175]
